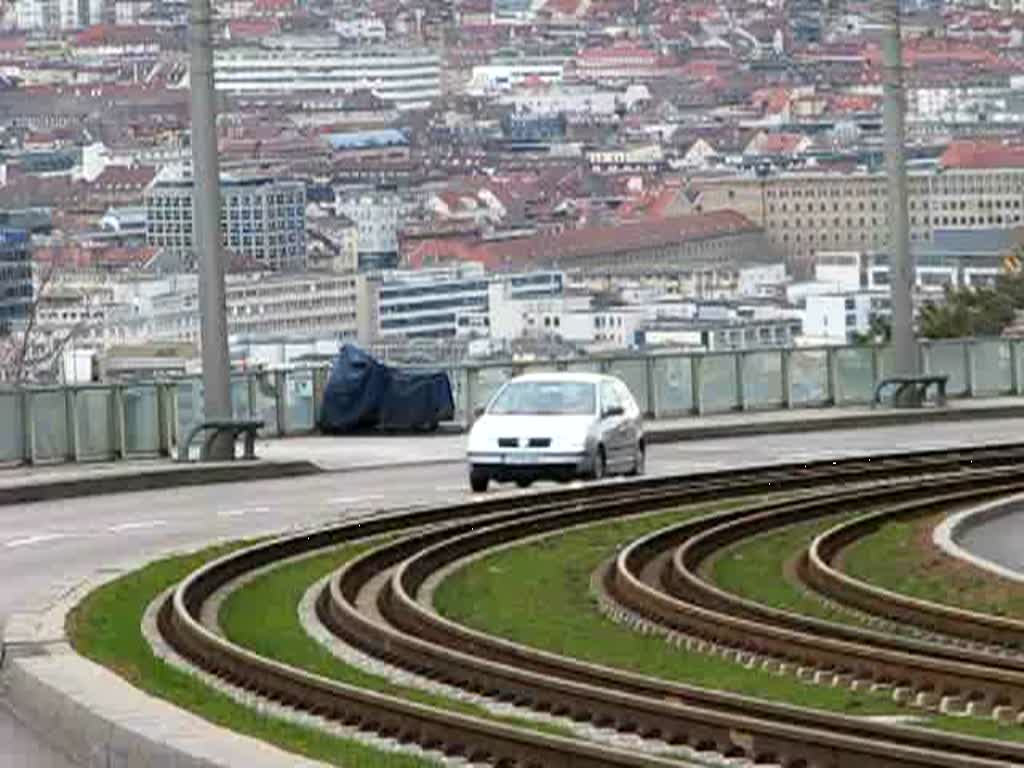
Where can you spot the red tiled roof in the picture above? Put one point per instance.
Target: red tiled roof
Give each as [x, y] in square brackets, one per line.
[983, 154]
[253, 28]
[124, 177]
[108, 34]
[596, 241]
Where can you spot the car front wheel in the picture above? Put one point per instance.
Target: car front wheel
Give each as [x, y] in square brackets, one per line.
[478, 480]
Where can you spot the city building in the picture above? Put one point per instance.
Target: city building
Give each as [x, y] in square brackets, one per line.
[263, 221]
[804, 212]
[259, 305]
[403, 77]
[454, 301]
[58, 15]
[696, 247]
[15, 276]
[378, 211]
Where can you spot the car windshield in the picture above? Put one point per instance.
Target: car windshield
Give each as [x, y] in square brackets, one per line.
[545, 397]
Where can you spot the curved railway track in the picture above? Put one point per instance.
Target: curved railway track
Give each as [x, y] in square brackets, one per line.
[656, 578]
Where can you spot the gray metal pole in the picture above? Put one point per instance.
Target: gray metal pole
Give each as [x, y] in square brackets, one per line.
[901, 270]
[206, 206]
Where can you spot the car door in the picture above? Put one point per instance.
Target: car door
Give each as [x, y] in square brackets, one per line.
[613, 427]
[631, 421]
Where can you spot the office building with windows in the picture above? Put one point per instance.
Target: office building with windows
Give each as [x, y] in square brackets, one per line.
[403, 78]
[15, 276]
[451, 301]
[263, 221]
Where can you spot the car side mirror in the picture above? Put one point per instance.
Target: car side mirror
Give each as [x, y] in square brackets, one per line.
[613, 410]
[479, 411]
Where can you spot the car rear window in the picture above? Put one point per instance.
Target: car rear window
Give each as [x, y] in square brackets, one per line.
[545, 397]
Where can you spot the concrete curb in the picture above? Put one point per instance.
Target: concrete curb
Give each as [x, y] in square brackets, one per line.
[101, 721]
[883, 418]
[133, 478]
[946, 534]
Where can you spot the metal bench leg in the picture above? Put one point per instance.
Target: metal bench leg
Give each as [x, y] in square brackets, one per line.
[250, 445]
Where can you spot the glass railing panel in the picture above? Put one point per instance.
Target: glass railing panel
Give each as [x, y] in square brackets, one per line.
[300, 413]
[718, 383]
[762, 379]
[264, 401]
[673, 386]
[633, 374]
[992, 374]
[241, 408]
[948, 357]
[50, 425]
[94, 410]
[12, 427]
[808, 377]
[855, 381]
[141, 420]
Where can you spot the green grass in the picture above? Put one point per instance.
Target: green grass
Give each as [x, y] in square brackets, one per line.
[538, 595]
[263, 617]
[900, 557]
[762, 569]
[106, 627]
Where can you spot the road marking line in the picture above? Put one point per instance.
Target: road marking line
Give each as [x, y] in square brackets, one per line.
[242, 511]
[353, 499]
[140, 525]
[37, 539]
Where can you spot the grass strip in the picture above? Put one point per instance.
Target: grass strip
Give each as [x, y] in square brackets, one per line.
[743, 567]
[263, 616]
[538, 594]
[106, 627]
[901, 557]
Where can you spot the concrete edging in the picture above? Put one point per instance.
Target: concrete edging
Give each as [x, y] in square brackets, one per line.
[83, 709]
[952, 528]
[98, 719]
[882, 418]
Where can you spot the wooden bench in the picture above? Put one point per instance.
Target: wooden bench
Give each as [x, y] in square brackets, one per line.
[912, 391]
[218, 427]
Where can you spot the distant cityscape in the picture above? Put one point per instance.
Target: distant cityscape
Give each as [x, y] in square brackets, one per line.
[458, 180]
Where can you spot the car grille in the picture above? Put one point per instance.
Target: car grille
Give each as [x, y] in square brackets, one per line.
[540, 442]
[508, 442]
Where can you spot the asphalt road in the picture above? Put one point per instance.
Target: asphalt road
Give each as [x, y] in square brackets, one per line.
[45, 544]
[1000, 540]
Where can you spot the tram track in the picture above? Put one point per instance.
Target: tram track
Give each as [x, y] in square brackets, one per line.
[405, 632]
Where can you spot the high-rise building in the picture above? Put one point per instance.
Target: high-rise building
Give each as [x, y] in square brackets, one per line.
[15, 276]
[263, 221]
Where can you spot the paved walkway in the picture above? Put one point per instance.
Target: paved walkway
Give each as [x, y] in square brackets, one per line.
[363, 451]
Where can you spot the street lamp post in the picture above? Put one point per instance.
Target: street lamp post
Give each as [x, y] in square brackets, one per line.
[901, 268]
[206, 207]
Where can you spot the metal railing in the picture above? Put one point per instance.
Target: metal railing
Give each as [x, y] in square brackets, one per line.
[101, 422]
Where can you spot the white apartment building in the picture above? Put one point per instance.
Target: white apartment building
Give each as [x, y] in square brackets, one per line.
[458, 301]
[57, 15]
[258, 305]
[406, 78]
[836, 317]
[378, 213]
[500, 76]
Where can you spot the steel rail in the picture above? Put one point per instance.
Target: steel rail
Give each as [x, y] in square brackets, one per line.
[424, 642]
[180, 623]
[819, 571]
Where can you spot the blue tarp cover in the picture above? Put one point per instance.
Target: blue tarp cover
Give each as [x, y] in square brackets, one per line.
[364, 394]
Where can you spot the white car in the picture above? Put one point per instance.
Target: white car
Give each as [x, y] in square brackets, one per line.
[556, 426]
